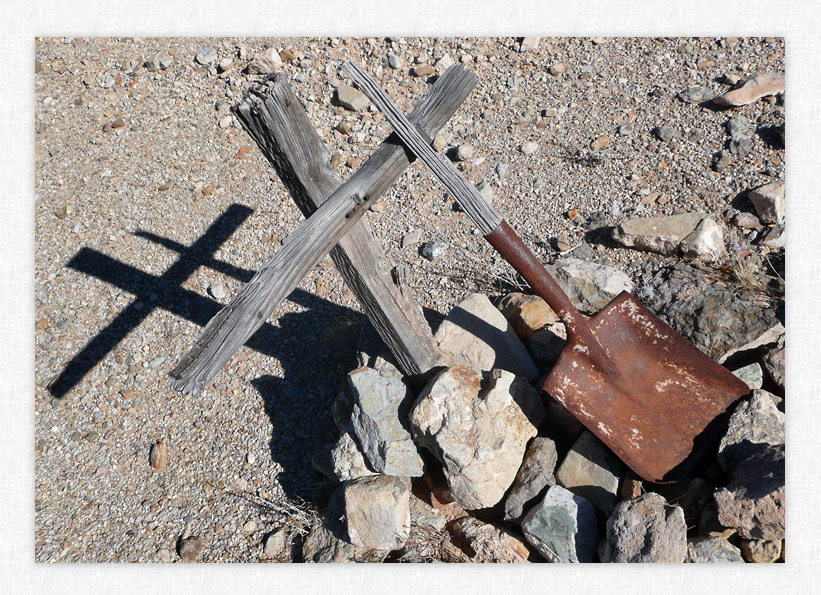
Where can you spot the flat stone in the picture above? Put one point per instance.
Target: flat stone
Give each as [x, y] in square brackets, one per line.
[712, 550]
[665, 133]
[529, 147]
[266, 62]
[657, 234]
[769, 202]
[158, 61]
[563, 527]
[761, 551]
[477, 335]
[217, 291]
[191, 549]
[589, 285]
[394, 61]
[377, 510]
[737, 126]
[478, 427]
[721, 321]
[741, 147]
[752, 89]
[443, 63]
[705, 242]
[350, 98]
[421, 70]
[411, 238]
[433, 250]
[379, 419]
[600, 142]
[645, 529]
[696, 95]
[275, 544]
[527, 313]
[464, 152]
[754, 502]
[755, 424]
[591, 471]
[490, 543]
[533, 479]
[752, 375]
[205, 55]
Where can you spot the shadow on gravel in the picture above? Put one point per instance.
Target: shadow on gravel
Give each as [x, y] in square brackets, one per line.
[301, 425]
[166, 292]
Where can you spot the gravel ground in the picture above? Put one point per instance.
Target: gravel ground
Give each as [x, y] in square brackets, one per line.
[149, 212]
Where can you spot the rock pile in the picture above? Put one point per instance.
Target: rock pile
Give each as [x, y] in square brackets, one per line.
[477, 466]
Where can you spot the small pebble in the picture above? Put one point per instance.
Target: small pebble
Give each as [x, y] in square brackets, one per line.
[217, 291]
[433, 250]
[464, 152]
[251, 458]
[528, 148]
[665, 133]
[394, 61]
[411, 238]
[206, 56]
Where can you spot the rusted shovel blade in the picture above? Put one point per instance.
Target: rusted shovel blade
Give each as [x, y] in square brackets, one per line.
[664, 405]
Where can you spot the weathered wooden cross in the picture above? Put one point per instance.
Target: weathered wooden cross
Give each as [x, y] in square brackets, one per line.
[276, 120]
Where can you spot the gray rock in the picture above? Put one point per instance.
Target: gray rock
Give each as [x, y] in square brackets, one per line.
[373, 353]
[424, 515]
[266, 62]
[394, 61]
[501, 170]
[377, 510]
[545, 345]
[625, 129]
[769, 202]
[665, 133]
[591, 471]
[351, 98]
[754, 502]
[433, 250]
[478, 427]
[477, 335]
[645, 529]
[158, 61]
[464, 152]
[225, 64]
[721, 321]
[741, 147]
[217, 291]
[205, 55]
[563, 527]
[490, 543]
[379, 420]
[752, 374]
[773, 362]
[347, 461]
[412, 238]
[696, 95]
[657, 234]
[529, 147]
[535, 476]
[590, 286]
[721, 160]
[738, 126]
[774, 238]
[754, 425]
[705, 242]
[712, 549]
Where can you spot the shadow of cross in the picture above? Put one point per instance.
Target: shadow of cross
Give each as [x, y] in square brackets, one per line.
[166, 292]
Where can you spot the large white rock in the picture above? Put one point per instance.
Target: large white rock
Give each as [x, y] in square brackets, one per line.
[478, 428]
[657, 234]
[476, 335]
[705, 242]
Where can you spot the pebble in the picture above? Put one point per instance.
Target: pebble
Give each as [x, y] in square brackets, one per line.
[696, 95]
[501, 170]
[721, 160]
[527, 148]
[205, 55]
[411, 238]
[249, 527]
[251, 458]
[464, 152]
[769, 202]
[422, 70]
[225, 64]
[665, 133]
[741, 147]
[92, 436]
[159, 61]
[158, 456]
[191, 549]
[351, 98]
[626, 129]
[217, 291]
[600, 142]
[394, 61]
[737, 126]
[433, 250]
[557, 69]
[275, 544]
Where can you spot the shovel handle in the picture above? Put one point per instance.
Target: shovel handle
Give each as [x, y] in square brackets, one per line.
[514, 251]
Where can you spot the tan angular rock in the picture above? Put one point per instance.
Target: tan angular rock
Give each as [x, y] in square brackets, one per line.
[705, 242]
[377, 510]
[761, 551]
[489, 542]
[752, 89]
[769, 202]
[527, 314]
[478, 427]
[158, 456]
[266, 62]
[657, 234]
[476, 335]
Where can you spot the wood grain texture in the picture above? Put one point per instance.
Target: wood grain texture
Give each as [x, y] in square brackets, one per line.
[276, 120]
[477, 208]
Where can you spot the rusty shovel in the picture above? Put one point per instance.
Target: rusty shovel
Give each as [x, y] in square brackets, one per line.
[643, 389]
